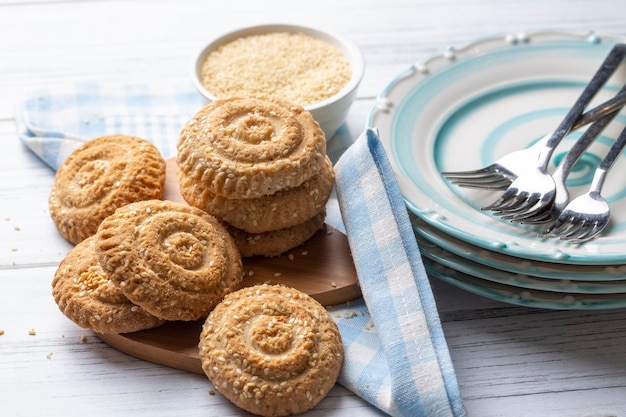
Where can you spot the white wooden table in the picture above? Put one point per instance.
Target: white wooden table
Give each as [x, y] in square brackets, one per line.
[510, 361]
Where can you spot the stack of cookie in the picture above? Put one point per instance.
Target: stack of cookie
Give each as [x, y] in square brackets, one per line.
[259, 165]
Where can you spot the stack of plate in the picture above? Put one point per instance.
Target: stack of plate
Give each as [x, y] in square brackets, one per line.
[464, 109]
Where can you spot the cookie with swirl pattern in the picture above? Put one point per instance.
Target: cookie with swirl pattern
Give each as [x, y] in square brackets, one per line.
[101, 175]
[271, 350]
[175, 261]
[276, 242]
[281, 210]
[84, 293]
[247, 147]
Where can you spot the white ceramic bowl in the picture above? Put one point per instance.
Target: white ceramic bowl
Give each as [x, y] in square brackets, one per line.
[330, 113]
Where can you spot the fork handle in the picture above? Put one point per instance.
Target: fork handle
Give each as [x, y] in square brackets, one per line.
[608, 67]
[600, 175]
[610, 106]
[579, 147]
[613, 106]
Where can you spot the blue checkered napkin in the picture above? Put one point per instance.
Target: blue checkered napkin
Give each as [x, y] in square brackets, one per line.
[55, 121]
[397, 356]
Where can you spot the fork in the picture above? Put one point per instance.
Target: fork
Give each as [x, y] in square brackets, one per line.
[505, 170]
[534, 191]
[586, 216]
[561, 198]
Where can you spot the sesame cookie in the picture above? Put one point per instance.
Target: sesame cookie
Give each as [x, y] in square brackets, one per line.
[247, 147]
[276, 242]
[271, 350]
[101, 175]
[175, 261]
[283, 209]
[86, 296]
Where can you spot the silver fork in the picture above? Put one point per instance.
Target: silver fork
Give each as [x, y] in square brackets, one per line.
[586, 216]
[561, 198]
[505, 170]
[534, 191]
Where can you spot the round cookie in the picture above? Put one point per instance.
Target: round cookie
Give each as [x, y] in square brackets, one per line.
[271, 350]
[276, 242]
[246, 147]
[101, 175]
[86, 296]
[175, 261]
[283, 209]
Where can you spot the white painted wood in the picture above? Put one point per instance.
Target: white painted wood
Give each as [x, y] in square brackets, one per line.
[510, 361]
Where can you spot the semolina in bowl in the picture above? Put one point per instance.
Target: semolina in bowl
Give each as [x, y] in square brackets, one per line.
[317, 69]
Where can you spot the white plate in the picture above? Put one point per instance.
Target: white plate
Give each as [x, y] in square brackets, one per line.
[522, 280]
[500, 261]
[522, 296]
[465, 108]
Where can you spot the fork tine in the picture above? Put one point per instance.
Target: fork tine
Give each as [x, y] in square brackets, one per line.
[495, 183]
[486, 175]
[528, 201]
[583, 235]
[560, 225]
[521, 216]
[574, 230]
[485, 181]
[513, 202]
[491, 171]
[592, 232]
[558, 233]
[508, 198]
[537, 215]
[542, 218]
[470, 173]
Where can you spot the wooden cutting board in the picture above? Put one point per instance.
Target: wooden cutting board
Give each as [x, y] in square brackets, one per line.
[322, 267]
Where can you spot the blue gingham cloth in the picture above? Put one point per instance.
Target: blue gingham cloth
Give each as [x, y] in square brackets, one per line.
[396, 355]
[53, 122]
[404, 366]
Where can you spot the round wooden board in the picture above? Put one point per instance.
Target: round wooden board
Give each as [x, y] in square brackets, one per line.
[321, 267]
